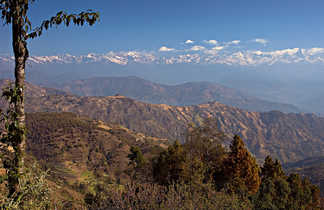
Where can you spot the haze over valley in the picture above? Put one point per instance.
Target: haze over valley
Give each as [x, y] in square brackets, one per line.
[286, 81]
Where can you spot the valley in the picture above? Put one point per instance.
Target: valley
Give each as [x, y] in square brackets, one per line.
[190, 93]
[288, 137]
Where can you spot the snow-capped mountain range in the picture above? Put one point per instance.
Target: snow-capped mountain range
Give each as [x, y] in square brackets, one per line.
[194, 56]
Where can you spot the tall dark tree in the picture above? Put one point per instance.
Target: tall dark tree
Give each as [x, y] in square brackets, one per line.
[274, 189]
[15, 12]
[241, 167]
[136, 157]
[271, 169]
[138, 162]
[278, 191]
[171, 165]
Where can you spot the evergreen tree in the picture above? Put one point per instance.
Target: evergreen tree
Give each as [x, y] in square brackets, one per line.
[171, 166]
[136, 157]
[271, 169]
[303, 194]
[277, 191]
[138, 163]
[274, 189]
[241, 168]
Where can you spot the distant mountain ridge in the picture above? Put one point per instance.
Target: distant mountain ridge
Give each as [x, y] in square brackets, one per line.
[190, 93]
[33, 90]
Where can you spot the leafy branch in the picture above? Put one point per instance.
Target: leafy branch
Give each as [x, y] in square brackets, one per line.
[10, 13]
[64, 18]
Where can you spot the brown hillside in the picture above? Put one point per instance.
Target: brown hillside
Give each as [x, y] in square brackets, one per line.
[78, 150]
[82, 154]
[289, 137]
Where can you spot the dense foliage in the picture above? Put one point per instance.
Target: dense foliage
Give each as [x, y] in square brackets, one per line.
[313, 168]
[186, 176]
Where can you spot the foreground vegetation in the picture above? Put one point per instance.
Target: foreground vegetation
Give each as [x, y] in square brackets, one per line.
[97, 166]
[202, 174]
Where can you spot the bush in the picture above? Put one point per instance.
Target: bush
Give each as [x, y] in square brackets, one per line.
[176, 196]
[34, 192]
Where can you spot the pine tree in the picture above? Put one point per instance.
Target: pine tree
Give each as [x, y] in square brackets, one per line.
[171, 166]
[303, 194]
[138, 163]
[277, 191]
[271, 169]
[136, 157]
[241, 168]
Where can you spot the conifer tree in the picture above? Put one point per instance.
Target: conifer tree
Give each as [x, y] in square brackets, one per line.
[171, 166]
[241, 167]
[274, 189]
[137, 161]
[271, 169]
[277, 191]
[136, 157]
[303, 194]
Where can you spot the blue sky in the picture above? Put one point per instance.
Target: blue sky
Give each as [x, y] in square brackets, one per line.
[147, 25]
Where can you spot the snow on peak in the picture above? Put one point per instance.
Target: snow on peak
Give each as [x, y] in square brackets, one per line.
[215, 55]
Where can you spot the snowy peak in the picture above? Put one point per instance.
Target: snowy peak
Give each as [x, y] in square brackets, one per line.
[199, 56]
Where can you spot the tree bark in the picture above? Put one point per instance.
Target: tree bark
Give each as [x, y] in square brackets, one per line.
[21, 54]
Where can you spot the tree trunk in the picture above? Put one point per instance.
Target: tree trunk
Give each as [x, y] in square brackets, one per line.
[21, 54]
